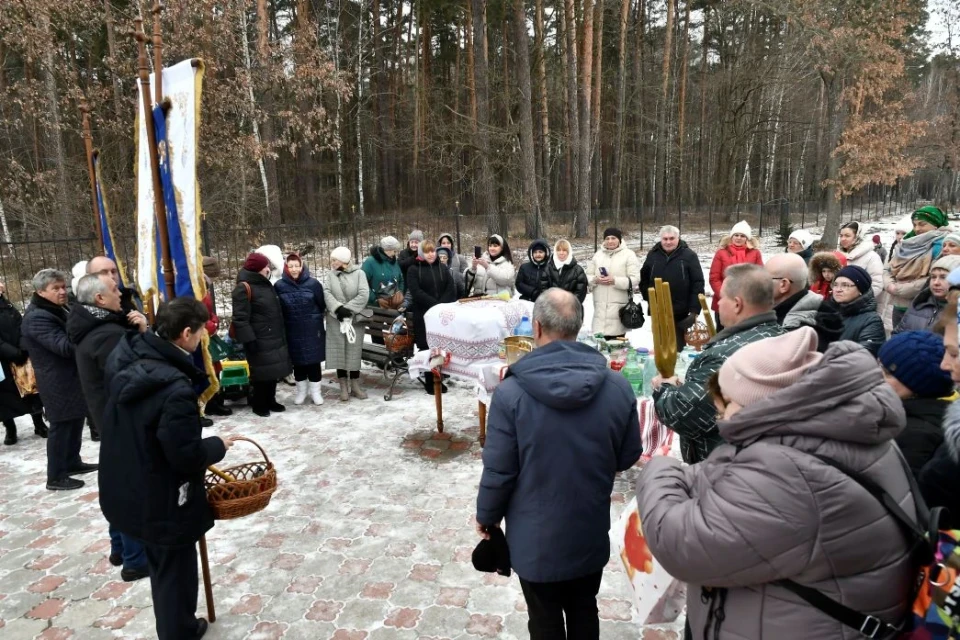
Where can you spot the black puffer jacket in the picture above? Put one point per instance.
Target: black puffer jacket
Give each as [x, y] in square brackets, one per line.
[532, 277]
[152, 455]
[406, 259]
[940, 476]
[681, 268]
[569, 277]
[44, 337]
[259, 325]
[862, 323]
[11, 404]
[924, 432]
[430, 284]
[95, 334]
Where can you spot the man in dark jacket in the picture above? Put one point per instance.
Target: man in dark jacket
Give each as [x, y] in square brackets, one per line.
[151, 482]
[533, 277]
[95, 326]
[746, 310]
[129, 299]
[676, 263]
[258, 324]
[561, 425]
[44, 337]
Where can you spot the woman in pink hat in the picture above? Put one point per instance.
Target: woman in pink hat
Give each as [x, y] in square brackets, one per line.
[766, 515]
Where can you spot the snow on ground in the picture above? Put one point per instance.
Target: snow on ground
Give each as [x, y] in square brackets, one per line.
[368, 536]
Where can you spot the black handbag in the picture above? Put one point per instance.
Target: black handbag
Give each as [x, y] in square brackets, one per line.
[631, 315]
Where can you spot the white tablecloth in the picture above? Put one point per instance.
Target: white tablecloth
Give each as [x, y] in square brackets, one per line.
[472, 331]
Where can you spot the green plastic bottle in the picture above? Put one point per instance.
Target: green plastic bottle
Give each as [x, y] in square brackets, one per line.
[633, 372]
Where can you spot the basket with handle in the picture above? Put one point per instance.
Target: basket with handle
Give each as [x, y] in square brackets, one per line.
[240, 490]
[399, 343]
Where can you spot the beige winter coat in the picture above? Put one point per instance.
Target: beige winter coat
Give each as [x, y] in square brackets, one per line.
[498, 278]
[742, 520]
[621, 263]
[863, 256]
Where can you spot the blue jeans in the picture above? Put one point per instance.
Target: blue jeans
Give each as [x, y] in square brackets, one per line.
[131, 550]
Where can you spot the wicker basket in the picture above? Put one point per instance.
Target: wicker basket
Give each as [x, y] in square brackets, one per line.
[238, 491]
[399, 342]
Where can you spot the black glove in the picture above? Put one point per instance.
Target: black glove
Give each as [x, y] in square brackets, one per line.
[342, 313]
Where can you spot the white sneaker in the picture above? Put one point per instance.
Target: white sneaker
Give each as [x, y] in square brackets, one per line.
[315, 394]
[301, 392]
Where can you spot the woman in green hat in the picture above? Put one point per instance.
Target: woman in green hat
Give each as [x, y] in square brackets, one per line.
[906, 274]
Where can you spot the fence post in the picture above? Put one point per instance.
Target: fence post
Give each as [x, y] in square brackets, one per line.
[710, 216]
[456, 205]
[760, 215]
[596, 230]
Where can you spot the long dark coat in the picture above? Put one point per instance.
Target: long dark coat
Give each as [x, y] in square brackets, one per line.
[681, 268]
[259, 325]
[95, 338]
[152, 455]
[11, 404]
[44, 337]
[430, 285]
[303, 308]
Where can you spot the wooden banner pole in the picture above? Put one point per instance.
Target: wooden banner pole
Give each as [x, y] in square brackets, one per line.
[88, 145]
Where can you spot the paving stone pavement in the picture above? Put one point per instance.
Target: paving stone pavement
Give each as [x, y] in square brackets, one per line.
[369, 536]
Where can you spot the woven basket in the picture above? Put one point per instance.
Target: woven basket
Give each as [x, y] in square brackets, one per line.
[238, 491]
[399, 342]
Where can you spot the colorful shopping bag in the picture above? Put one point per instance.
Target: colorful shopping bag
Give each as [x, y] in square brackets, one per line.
[25, 378]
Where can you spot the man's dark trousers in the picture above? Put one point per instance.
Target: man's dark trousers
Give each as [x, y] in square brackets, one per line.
[175, 586]
[548, 602]
[63, 448]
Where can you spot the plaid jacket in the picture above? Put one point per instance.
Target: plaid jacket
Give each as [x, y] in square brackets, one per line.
[688, 409]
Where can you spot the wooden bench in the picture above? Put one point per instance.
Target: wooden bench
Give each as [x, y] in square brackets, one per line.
[392, 364]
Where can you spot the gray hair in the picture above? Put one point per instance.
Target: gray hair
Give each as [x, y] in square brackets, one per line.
[752, 283]
[669, 228]
[89, 286]
[46, 277]
[559, 312]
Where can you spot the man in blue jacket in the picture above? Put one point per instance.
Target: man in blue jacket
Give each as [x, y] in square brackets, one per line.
[561, 425]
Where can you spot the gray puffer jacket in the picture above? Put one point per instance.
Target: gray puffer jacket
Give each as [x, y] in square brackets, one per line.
[762, 509]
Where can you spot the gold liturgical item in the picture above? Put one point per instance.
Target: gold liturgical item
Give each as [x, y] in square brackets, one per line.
[712, 328]
[664, 330]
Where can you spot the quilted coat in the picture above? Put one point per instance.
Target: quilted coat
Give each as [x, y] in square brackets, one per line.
[258, 321]
[499, 277]
[726, 256]
[534, 278]
[303, 307]
[922, 313]
[748, 517]
[688, 409]
[862, 324]
[681, 268]
[621, 263]
[568, 275]
[863, 255]
[347, 288]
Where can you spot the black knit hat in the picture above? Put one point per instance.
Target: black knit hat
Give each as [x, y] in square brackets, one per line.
[857, 275]
[613, 231]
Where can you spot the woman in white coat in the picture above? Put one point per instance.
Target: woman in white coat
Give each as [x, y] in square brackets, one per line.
[860, 253]
[493, 272]
[612, 274]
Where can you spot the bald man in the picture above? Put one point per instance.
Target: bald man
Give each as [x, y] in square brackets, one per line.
[104, 266]
[795, 305]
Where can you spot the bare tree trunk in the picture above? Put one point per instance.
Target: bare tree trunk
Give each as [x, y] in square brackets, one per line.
[582, 216]
[701, 157]
[263, 55]
[664, 107]
[3, 223]
[682, 102]
[621, 110]
[573, 141]
[486, 200]
[338, 114]
[831, 226]
[471, 67]
[543, 105]
[54, 131]
[253, 110]
[533, 218]
[359, 75]
[595, 155]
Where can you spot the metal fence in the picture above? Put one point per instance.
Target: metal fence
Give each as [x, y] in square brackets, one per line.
[21, 258]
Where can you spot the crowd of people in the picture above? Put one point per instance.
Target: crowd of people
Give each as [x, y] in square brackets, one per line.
[802, 371]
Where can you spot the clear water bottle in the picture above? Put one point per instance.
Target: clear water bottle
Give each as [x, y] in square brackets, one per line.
[649, 373]
[633, 372]
[525, 328]
[643, 354]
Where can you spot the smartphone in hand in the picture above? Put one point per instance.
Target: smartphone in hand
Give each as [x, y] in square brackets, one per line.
[603, 271]
[477, 251]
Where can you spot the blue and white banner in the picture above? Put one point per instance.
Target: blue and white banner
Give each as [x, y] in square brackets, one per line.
[103, 213]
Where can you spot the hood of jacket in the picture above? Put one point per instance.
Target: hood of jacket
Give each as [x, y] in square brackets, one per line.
[350, 268]
[562, 374]
[145, 363]
[825, 260]
[303, 277]
[752, 243]
[926, 299]
[858, 250]
[843, 397]
[538, 244]
[376, 252]
[864, 304]
[449, 236]
[82, 321]
[929, 410]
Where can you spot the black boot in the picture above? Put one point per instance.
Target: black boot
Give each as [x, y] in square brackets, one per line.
[94, 432]
[11, 429]
[39, 426]
[428, 382]
[216, 407]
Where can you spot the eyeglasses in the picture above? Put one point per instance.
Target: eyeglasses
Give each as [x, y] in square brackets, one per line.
[843, 287]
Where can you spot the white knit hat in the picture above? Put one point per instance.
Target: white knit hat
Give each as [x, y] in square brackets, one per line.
[948, 263]
[755, 371]
[905, 224]
[341, 254]
[742, 227]
[803, 237]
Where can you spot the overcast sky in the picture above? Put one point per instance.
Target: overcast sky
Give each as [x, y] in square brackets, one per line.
[937, 25]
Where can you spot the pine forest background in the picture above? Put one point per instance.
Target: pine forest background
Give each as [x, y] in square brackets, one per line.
[524, 116]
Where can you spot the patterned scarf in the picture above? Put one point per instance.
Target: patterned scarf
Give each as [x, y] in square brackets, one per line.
[914, 256]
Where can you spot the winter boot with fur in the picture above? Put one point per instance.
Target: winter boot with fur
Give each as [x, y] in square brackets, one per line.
[344, 389]
[355, 389]
[315, 394]
[301, 392]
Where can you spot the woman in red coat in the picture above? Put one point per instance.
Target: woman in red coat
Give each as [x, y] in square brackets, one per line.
[737, 248]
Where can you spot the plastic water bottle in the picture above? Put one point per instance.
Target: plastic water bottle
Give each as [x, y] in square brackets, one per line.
[643, 354]
[525, 328]
[633, 372]
[649, 373]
